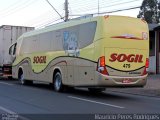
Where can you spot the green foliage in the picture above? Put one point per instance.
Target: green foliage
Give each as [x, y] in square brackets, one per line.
[150, 11]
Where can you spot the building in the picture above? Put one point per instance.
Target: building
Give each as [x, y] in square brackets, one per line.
[154, 33]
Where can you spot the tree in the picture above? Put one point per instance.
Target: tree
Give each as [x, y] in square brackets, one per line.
[150, 11]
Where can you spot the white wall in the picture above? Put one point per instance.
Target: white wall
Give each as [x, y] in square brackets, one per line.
[8, 36]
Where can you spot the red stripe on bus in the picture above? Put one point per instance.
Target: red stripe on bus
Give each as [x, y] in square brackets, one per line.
[126, 37]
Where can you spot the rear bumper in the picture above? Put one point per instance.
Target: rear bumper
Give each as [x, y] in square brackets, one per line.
[116, 81]
[6, 70]
[7, 75]
[1, 71]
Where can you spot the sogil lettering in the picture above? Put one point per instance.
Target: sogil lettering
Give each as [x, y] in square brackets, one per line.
[123, 57]
[39, 59]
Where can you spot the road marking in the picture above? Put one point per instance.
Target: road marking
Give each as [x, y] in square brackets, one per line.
[12, 113]
[92, 101]
[6, 83]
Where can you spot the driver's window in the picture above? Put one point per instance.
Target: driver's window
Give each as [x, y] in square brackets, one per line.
[12, 49]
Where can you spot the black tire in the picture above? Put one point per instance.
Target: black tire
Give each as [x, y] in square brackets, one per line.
[96, 90]
[57, 82]
[22, 80]
[10, 77]
[69, 89]
[21, 77]
[29, 82]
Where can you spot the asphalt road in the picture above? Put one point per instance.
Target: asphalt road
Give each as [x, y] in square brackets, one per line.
[40, 101]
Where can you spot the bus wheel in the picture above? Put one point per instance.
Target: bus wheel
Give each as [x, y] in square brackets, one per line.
[10, 77]
[58, 86]
[21, 77]
[96, 90]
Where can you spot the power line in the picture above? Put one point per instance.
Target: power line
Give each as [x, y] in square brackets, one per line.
[48, 23]
[10, 6]
[113, 11]
[51, 20]
[54, 9]
[43, 17]
[111, 5]
[88, 7]
[96, 13]
[12, 11]
[121, 3]
[119, 10]
[87, 4]
[45, 20]
[131, 8]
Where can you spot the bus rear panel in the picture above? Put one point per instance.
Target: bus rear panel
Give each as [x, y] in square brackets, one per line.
[124, 52]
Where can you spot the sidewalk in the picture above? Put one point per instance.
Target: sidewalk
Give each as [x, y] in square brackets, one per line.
[152, 87]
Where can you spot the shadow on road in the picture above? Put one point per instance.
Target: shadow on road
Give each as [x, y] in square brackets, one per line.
[80, 92]
[103, 95]
[83, 92]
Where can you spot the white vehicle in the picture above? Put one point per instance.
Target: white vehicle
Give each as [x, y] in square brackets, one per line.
[8, 36]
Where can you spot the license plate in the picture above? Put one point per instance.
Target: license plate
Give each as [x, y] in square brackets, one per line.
[127, 80]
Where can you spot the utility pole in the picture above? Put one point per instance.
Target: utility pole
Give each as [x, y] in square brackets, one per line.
[66, 11]
[98, 7]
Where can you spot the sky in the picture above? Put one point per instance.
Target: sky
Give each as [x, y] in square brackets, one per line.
[38, 13]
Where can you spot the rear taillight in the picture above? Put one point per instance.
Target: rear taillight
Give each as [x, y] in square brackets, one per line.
[102, 61]
[106, 16]
[143, 20]
[146, 69]
[101, 66]
[147, 63]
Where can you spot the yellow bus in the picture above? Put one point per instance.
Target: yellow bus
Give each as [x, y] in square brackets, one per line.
[95, 53]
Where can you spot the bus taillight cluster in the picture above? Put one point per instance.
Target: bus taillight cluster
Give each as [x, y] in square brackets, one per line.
[101, 66]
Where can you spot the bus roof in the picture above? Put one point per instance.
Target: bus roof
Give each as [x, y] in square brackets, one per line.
[60, 26]
[67, 24]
